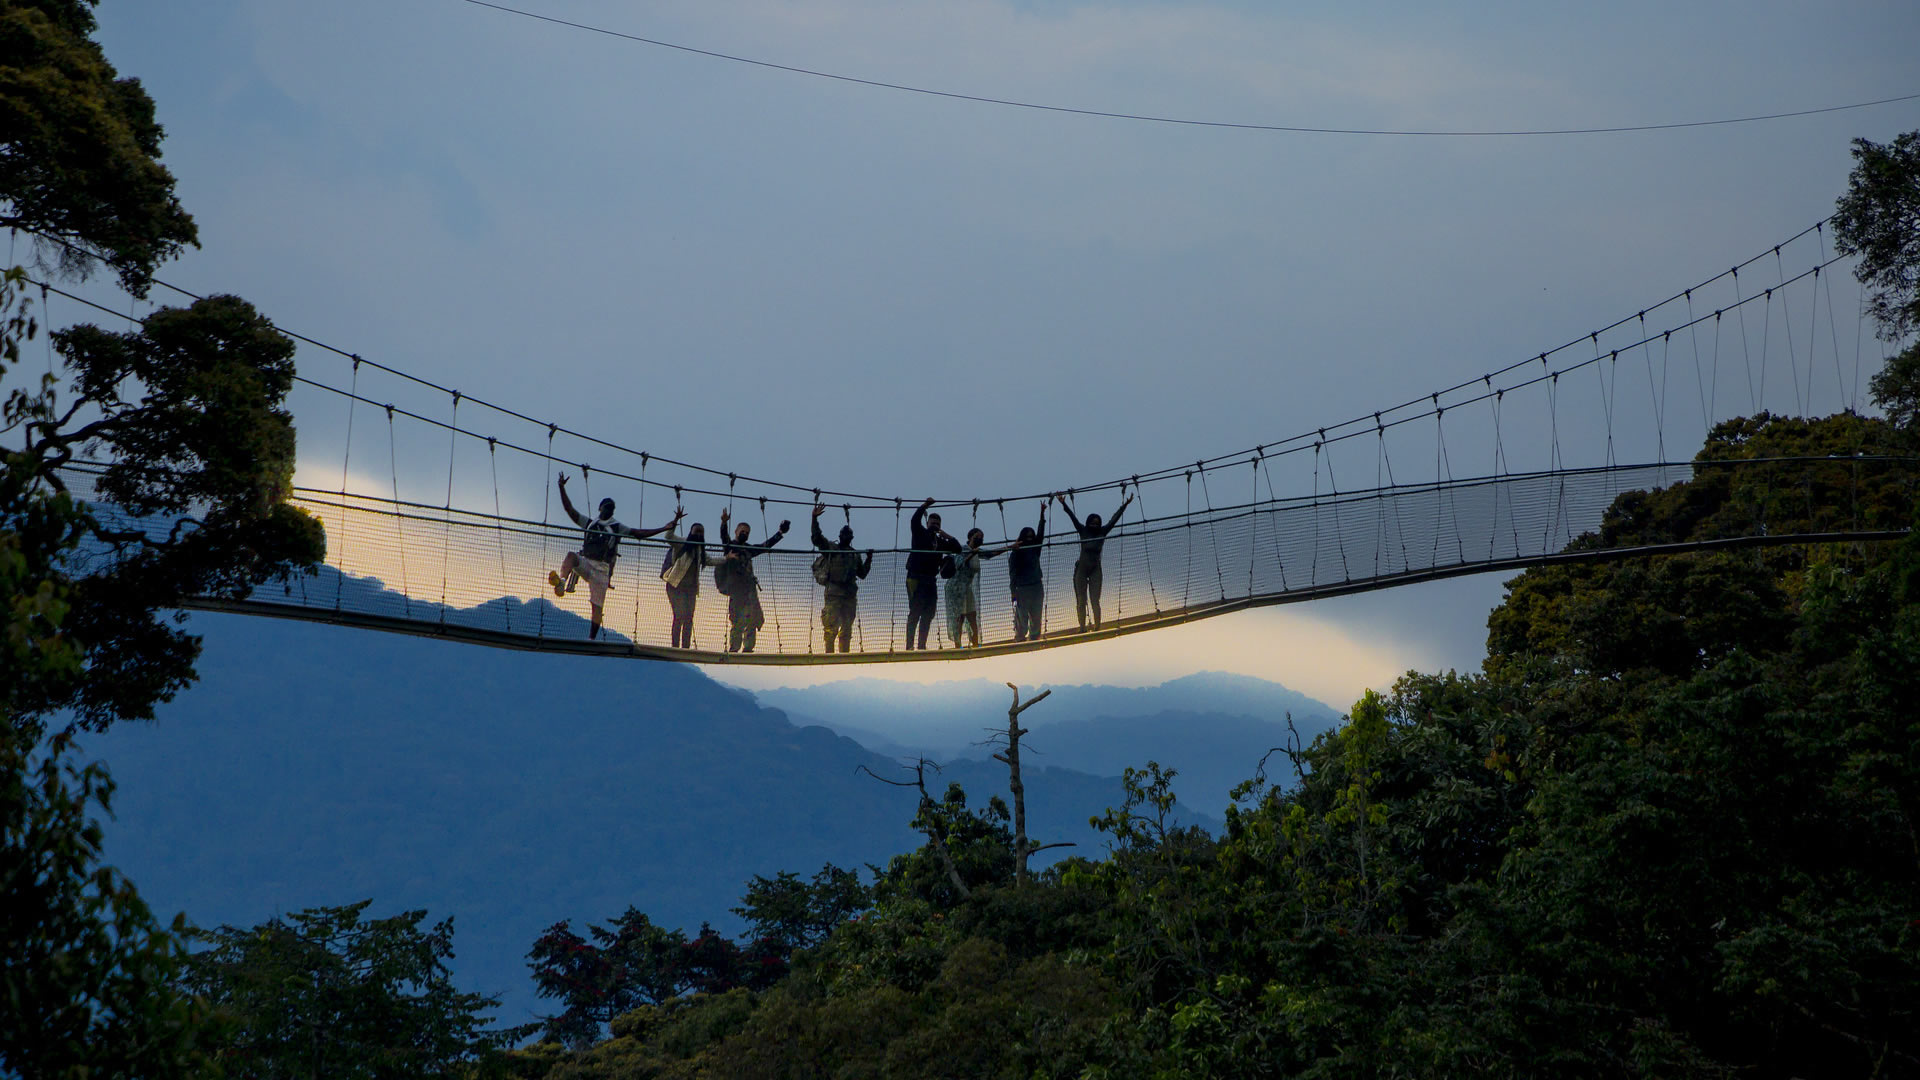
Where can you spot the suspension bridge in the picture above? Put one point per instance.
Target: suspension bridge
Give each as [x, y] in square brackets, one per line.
[1497, 471]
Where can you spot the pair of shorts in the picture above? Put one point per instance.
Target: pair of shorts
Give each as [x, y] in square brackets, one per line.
[598, 575]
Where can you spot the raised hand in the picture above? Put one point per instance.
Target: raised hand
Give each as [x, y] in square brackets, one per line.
[818, 509]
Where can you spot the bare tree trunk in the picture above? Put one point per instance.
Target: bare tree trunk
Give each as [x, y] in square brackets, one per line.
[929, 811]
[1021, 847]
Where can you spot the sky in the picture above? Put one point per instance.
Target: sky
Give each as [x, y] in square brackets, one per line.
[880, 291]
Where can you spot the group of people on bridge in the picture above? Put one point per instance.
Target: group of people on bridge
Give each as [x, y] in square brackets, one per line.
[933, 557]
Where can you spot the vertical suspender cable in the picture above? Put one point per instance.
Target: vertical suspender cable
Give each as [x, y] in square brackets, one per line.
[1606, 394]
[1279, 561]
[546, 509]
[1813, 336]
[1659, 419]
[1786, 315]
[779, 643]
[638, 576]
[1833, 327]
[1554, 462]
[1446, 463]
[446, 542]
[813, 586]
[1314, 570]
[1046, 571]
[393, 464]
[1766, 346]
[1699, 379]
[1755, 398]
[500, 535]
[1253, 511]
[1340, 534]
[892, 608]
[1147, 534]
[1389, 501]
[1186, 532]
[346, 459]
[1379, 496]
[1005, 535]
[1213, 532]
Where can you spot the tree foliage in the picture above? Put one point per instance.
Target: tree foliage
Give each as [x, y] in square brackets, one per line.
[88, 970]
[80, 147]
[1669, 830]
[327, 992]
[1878, 221]
[187, 414]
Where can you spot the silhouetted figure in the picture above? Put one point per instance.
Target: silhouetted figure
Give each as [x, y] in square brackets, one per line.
[598, 552]
[1086, 569]
[681, 571]
[930, 545]
[839, 570]
[1024, 578]
[963, 588]
[745, 616]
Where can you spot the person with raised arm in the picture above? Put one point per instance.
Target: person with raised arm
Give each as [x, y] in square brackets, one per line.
[735, 577]
[680, 569]
[963, 588]
[1086, 569]
[597, 554]
[838, 568]
[930, 545]
[1025, 580]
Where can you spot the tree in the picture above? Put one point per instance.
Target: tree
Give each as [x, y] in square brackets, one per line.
[1878, 220]
[618, 967]
[88, 971]
[633, 962]
[83, 592]
[80, 148]
[786, 913]
[198, 471]
[326, 992]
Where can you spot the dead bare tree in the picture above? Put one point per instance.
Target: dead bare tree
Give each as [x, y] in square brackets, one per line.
[930, 816]
[1022, 847]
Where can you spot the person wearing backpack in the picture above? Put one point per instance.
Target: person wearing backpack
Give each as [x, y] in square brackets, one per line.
[930, 545]
[735, 577]
[839, 569]
[1086, 569]
[598, 551]
[1024, 578]
[680, 569]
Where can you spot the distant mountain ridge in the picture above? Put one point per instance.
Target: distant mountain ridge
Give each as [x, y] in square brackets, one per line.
[1213, 727]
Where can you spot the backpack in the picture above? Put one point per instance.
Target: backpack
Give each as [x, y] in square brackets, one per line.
[723, 577]
[835, 567]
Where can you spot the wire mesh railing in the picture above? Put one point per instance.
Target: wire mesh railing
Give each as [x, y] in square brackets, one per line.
[438, 570]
